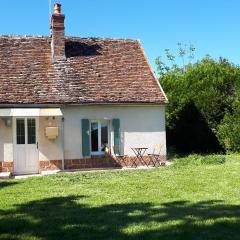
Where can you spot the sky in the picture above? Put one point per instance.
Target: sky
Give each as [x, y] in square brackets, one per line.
[212, 26]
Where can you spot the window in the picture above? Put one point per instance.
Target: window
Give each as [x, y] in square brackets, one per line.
[26, 131]
[31, 128]
[94, 136]
[99, 136]
[20, 131]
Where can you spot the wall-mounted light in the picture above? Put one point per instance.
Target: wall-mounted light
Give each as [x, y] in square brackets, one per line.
[8, 121]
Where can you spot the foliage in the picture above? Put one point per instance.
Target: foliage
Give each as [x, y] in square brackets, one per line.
[187, 203]
[209, 83]
[192, 133]
[212, 85]
[186, 52]
[229, 130]
[196, 160]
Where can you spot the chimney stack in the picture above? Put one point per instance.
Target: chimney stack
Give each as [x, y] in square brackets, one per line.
[58, 33]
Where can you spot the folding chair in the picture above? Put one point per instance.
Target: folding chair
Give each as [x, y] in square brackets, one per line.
[155, 157]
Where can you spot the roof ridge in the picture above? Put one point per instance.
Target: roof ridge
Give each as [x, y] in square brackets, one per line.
[102, 38]
[22, 36]
[68, 37]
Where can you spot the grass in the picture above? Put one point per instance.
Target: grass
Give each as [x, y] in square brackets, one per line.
[196, 159]
[183, 201]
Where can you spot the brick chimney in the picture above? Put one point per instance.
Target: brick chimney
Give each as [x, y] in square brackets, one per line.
[58, 33]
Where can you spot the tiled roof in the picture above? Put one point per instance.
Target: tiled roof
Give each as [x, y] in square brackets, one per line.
[95, 71]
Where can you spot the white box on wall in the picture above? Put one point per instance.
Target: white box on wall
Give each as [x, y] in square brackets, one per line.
[51, 133]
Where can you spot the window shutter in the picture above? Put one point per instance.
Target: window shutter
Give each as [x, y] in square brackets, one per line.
[85, 138]
[116, 130]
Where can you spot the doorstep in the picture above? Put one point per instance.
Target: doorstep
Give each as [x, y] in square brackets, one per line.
[5, 175]
[43, 173]
[26, 176]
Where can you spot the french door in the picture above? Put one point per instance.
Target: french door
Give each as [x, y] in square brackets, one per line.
[25, 145]
[99, 136]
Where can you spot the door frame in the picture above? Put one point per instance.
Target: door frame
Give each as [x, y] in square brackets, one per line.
[98, 121]
[15, 140]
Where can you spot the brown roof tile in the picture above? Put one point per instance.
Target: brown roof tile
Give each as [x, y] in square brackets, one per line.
[95, 71]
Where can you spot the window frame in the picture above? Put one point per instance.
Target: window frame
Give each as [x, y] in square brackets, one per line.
[29, 136]
[24, 131]
[99, 121]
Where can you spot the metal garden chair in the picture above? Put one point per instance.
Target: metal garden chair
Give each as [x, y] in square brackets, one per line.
[155, 157]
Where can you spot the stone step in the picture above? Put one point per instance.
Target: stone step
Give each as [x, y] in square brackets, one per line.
[5, 175]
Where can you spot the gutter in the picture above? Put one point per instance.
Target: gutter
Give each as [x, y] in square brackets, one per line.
[63, 146]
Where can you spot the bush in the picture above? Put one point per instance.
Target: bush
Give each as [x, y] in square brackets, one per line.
[229, 131]
[196, 160]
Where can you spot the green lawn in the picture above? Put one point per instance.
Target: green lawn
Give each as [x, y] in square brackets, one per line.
[188, 202]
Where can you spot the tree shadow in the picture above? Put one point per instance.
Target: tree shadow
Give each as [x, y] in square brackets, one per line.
[7, 183]
[68, 218]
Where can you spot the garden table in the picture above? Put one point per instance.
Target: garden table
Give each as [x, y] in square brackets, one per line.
[139, 152]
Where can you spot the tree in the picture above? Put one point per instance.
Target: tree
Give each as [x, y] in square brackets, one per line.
[184, 51]
[212, 85]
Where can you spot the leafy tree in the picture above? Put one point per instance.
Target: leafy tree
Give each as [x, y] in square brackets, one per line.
[184, 51]
[212, 85]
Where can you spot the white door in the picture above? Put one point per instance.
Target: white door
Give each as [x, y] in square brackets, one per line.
[25, 146]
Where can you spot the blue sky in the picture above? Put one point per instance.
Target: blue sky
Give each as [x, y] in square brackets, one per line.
[212, 26]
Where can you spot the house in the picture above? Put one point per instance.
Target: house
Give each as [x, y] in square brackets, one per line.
[62, 99]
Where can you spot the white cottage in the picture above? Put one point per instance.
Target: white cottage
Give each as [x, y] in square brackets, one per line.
[64, 99]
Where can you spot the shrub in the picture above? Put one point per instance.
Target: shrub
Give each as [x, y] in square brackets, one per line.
[229, 131]
[196, 160]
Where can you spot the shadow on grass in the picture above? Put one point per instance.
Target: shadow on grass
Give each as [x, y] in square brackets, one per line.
[66, 218]
[7, 183]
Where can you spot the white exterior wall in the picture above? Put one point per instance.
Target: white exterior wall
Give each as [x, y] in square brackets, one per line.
[6, 142]
[140, 126]
[49, 149]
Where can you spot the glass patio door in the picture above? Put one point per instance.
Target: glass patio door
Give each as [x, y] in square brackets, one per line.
[99, 136]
